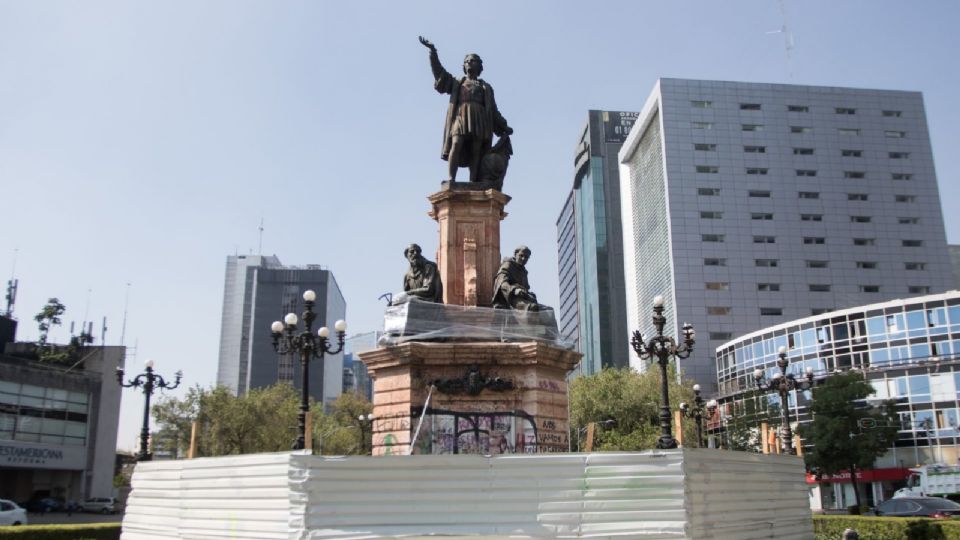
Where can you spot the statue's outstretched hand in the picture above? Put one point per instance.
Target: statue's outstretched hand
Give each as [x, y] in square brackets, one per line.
[426, 43]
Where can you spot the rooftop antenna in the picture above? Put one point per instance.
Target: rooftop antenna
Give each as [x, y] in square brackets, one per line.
[12, 286]
[787, 38]
[123, 325]
[260, 242]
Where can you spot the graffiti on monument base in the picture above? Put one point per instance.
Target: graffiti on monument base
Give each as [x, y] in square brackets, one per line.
[456, 432]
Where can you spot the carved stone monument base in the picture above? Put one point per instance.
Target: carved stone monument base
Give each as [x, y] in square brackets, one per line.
[484, 398]
[469, 252]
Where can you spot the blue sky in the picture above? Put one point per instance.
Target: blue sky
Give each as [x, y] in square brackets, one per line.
[142, 142]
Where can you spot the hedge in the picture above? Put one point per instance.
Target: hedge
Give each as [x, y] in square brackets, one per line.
[88, 531]
[885, 528]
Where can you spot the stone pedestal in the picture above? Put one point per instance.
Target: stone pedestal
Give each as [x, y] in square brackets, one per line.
[468, 255]
[486, 397]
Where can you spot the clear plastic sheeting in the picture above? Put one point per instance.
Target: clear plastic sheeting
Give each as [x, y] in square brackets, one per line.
[426, 321]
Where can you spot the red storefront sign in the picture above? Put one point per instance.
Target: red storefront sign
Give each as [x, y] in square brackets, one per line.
[869, 475]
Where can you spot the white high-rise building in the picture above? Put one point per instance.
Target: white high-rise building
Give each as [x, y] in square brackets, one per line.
[747, 205]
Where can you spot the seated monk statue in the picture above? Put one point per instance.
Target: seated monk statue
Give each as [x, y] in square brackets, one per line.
[511, 290]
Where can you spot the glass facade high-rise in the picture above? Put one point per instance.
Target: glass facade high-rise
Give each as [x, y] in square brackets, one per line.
[592, 311]
[748, 204]
[257, 291]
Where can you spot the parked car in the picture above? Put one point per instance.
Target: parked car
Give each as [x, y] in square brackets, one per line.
[42, 506]
[11, 513]
[104, 505]
[934, 507]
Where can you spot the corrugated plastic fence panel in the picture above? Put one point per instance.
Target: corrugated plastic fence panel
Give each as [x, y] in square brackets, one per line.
[242, 497]
[682, 494]
[746, 496]
[546, 496]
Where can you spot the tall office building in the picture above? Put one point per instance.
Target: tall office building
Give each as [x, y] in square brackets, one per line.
[257, 291]
[592, 311]
[747, 205]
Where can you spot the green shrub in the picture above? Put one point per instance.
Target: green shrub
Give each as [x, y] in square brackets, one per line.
[91, 531]
[886, 528]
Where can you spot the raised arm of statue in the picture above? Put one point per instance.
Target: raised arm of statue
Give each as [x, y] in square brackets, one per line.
[443, 80]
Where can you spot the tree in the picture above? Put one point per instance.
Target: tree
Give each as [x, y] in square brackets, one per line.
[632, 401]
[262, 420]
[844, 433]
[339, 432]
[49, 316]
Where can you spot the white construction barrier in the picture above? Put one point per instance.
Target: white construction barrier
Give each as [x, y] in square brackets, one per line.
[677, 494]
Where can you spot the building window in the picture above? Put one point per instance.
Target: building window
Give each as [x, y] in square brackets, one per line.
[768, 287]
[918, 289]
[892, 113]
[814, 240]
[701, 104]
[803, 151]
[756, 170]
[708, 169]
[860, 219]
[848, 131]
[718, 310]
[898, 155]
[912, 243]
[811, 217]
[806, 172]
[764, 239]
[908, 220]
[711, 215]
[809, 194]
[817, 264]
[854, 174]
[701, 125]
[749, 106]
[866, 265]
[851, 153]
[721, 336]
[705, 147]
[864, 241]
[717, 286]
[761, 216]
[819, 287]
[893, 134]
[798, 108]
[759, 193]
[751, 127]
[766, 263]
[712, 261]
[844, 110]
[800, 129]
[901, 176]
[771, 311]
[712, 237]
[857, 196]
[914, 266]
[905, 198]
[708, 191]
[869, 288]
[755, 149]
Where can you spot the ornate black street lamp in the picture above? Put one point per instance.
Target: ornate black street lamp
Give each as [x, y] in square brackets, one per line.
[662, 348]
[696, 412]
[150, 381]
[287, 340]
[366, 423]
[782, 383]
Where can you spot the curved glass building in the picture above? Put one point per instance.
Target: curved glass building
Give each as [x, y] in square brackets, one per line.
[908, 349]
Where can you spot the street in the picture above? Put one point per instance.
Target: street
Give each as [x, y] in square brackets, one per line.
[76, 517]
